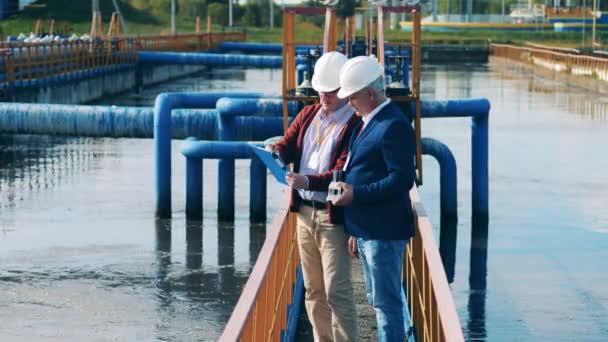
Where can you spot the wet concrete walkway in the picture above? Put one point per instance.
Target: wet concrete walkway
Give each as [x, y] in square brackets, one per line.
[367, 316]
[366, 313]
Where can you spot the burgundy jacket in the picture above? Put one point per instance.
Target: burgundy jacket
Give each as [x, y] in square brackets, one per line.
[291, 146]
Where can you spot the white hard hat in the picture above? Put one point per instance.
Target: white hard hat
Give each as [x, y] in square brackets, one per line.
[358, 73]
[327, 70]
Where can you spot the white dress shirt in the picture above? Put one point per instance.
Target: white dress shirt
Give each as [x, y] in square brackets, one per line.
[366, 119]
[325, 129]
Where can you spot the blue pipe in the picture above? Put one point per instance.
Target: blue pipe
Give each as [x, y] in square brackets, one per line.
[264, 47]
[192, 148]
[228, 109]
[293, 315]
[129, 122]
[163, 106]
[105, 121]
[300, 68]
[194, 184]
[229, 106]
[64, 76]
[257, 191]
[195, 151]
[212, 59]
[448, 176]
[479, 110]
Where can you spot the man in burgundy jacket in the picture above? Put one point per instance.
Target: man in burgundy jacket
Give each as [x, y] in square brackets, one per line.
[317, 144]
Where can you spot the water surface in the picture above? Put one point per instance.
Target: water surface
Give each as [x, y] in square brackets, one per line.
[82, 258]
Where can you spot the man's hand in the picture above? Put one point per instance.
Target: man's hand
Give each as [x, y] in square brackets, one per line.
[296, 180]
[352, 247]
[347, 195]
[269, 147]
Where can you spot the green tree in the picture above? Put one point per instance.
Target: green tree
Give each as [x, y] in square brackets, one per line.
[252, 15]
[192, 8]
[346, 8]
[218, 12]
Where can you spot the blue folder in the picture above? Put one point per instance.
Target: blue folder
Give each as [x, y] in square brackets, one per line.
[273, 162]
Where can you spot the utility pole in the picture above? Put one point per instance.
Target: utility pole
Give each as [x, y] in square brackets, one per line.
[593, 27]
[469, 10]
[123, 23]
[173, 17]
[584, 19]
[94, 6]
[229, 13]
[271, 3]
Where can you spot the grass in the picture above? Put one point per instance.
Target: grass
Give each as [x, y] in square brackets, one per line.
[77, 20]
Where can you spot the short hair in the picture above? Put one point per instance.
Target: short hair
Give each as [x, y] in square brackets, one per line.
[377, 85]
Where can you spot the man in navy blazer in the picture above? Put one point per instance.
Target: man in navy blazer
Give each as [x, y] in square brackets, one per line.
[379, 172]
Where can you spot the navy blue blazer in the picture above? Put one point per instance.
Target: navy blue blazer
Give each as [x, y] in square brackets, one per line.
[381, 170]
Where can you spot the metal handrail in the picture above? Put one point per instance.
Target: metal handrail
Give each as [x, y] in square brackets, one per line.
[429, 297]
[31, 61]
[581, 65]
[431, 304]
[21, 61]
[261, 312]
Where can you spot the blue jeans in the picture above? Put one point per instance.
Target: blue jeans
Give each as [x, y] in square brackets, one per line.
[382, 265]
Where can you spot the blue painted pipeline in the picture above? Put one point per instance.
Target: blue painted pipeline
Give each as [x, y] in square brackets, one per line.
[230, 106]
[300, 68]
[293, 315]
[65, 77]
[104, 121]
[455, 108]
[228, 110]
[479, 110]
[448, 176]
[130, 122]
[257, 191]
[164, 104]
[195, 150]
[212, 59]
[264, 47]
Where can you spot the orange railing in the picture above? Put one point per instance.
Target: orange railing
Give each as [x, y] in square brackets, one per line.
[187, 42]
[429, 296]
[30, 61]
[261, 312]
[574, 64]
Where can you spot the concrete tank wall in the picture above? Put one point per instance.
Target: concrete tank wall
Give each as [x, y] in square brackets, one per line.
[92, 88]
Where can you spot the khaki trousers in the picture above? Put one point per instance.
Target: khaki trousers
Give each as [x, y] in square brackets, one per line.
[326, 269]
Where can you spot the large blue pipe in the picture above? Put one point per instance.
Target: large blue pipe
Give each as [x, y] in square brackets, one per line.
[229, 106]
[128, 122]
[211, 59]
[479, 110]
[263, 47]
[163, 106]
[195, 150]
[228, 110]
[448, 176]
[63, 77]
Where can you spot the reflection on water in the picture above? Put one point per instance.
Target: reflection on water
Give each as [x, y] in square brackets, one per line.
[589, 106]
[29, 165]
[447, 246]
[476, 324]
[82, 258]
[547, 198]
